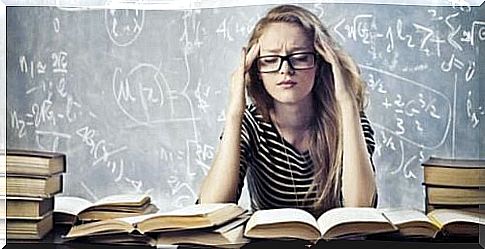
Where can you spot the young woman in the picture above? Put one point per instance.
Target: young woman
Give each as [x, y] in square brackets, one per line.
[304, 141]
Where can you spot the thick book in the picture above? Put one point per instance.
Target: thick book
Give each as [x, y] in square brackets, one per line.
[71, 209]
[470, 208]
[230, 235]
[190, 217]
[29, 228]
[454, 172]
[28, 207]
[292, 223]
[31, 162]
[440, 195]
[31, 186]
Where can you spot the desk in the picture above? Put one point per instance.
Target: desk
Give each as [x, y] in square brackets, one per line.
[53, 240]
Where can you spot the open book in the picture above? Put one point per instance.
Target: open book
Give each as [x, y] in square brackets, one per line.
[348, 222]
[69, 209]
[229, 235]
[191, 217]
[445, 222]
[299, 224]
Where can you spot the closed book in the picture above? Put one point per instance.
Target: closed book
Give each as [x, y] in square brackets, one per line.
[25, 207]
[31, 186]
[439, 195]
[29, 228]
[30, 162]
[454, 172]
[469, 208]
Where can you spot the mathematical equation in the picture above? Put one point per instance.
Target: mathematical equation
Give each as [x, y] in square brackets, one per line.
[434, 39]
[414, 112]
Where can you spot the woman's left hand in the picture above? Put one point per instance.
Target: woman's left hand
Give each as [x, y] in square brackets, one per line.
[343, 93]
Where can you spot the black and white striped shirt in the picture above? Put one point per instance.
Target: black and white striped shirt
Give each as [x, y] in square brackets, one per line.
[266, 159]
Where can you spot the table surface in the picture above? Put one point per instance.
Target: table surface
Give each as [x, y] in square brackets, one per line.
[54, 240]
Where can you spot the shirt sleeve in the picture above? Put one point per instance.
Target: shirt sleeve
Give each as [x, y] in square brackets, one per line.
[370, 143]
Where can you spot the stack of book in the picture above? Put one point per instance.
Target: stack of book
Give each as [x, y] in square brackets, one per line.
[32, 179]
[454, 184]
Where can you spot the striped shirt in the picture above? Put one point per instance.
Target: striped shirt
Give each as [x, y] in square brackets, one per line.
[278, 175]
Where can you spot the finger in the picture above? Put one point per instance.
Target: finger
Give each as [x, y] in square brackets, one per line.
[251, 56]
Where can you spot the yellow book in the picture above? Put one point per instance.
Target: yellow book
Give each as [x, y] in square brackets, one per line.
[27, 207]
[438, 195]
[454, 172]
[34, 228]
[29, 162]
[31, 186]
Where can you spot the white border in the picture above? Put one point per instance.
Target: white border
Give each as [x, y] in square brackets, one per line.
[3, 120]
[197, 4]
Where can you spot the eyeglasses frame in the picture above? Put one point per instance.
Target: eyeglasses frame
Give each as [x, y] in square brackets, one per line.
[286, 58]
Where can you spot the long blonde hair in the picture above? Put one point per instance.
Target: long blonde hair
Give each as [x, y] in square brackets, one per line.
[326, 148]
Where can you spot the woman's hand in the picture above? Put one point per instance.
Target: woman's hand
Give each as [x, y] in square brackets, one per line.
[237, 92]
[343, 93]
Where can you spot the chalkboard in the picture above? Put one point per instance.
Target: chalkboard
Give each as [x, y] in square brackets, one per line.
[136, 98]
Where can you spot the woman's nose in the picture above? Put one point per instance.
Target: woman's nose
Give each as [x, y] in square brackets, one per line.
[286, 68]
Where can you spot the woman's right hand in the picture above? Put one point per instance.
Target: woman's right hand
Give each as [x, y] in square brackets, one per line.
[237, 91]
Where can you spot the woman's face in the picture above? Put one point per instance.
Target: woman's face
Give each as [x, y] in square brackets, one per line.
[287, 85]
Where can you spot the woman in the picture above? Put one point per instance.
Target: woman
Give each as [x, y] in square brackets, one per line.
[305, 141]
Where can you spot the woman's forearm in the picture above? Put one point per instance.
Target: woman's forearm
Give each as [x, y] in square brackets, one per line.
[220, 184]
[358, 182]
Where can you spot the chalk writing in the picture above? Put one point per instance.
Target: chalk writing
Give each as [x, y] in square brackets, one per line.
[420, 109]
[141, 93]
[124, 26]
[182, 192]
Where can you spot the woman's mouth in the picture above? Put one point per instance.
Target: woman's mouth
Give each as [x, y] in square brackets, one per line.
[286, 84]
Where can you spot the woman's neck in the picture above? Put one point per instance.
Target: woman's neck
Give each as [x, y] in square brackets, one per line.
[294, 117]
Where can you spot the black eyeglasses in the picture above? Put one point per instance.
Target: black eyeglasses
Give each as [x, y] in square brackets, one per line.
[297, 61]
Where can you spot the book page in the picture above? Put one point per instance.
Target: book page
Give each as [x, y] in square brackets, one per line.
[70, 204]
[446, 216]
[122, 198]
[337, 216]
[401, 216]
[199, 209]
[192, 210]
[281, 215]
